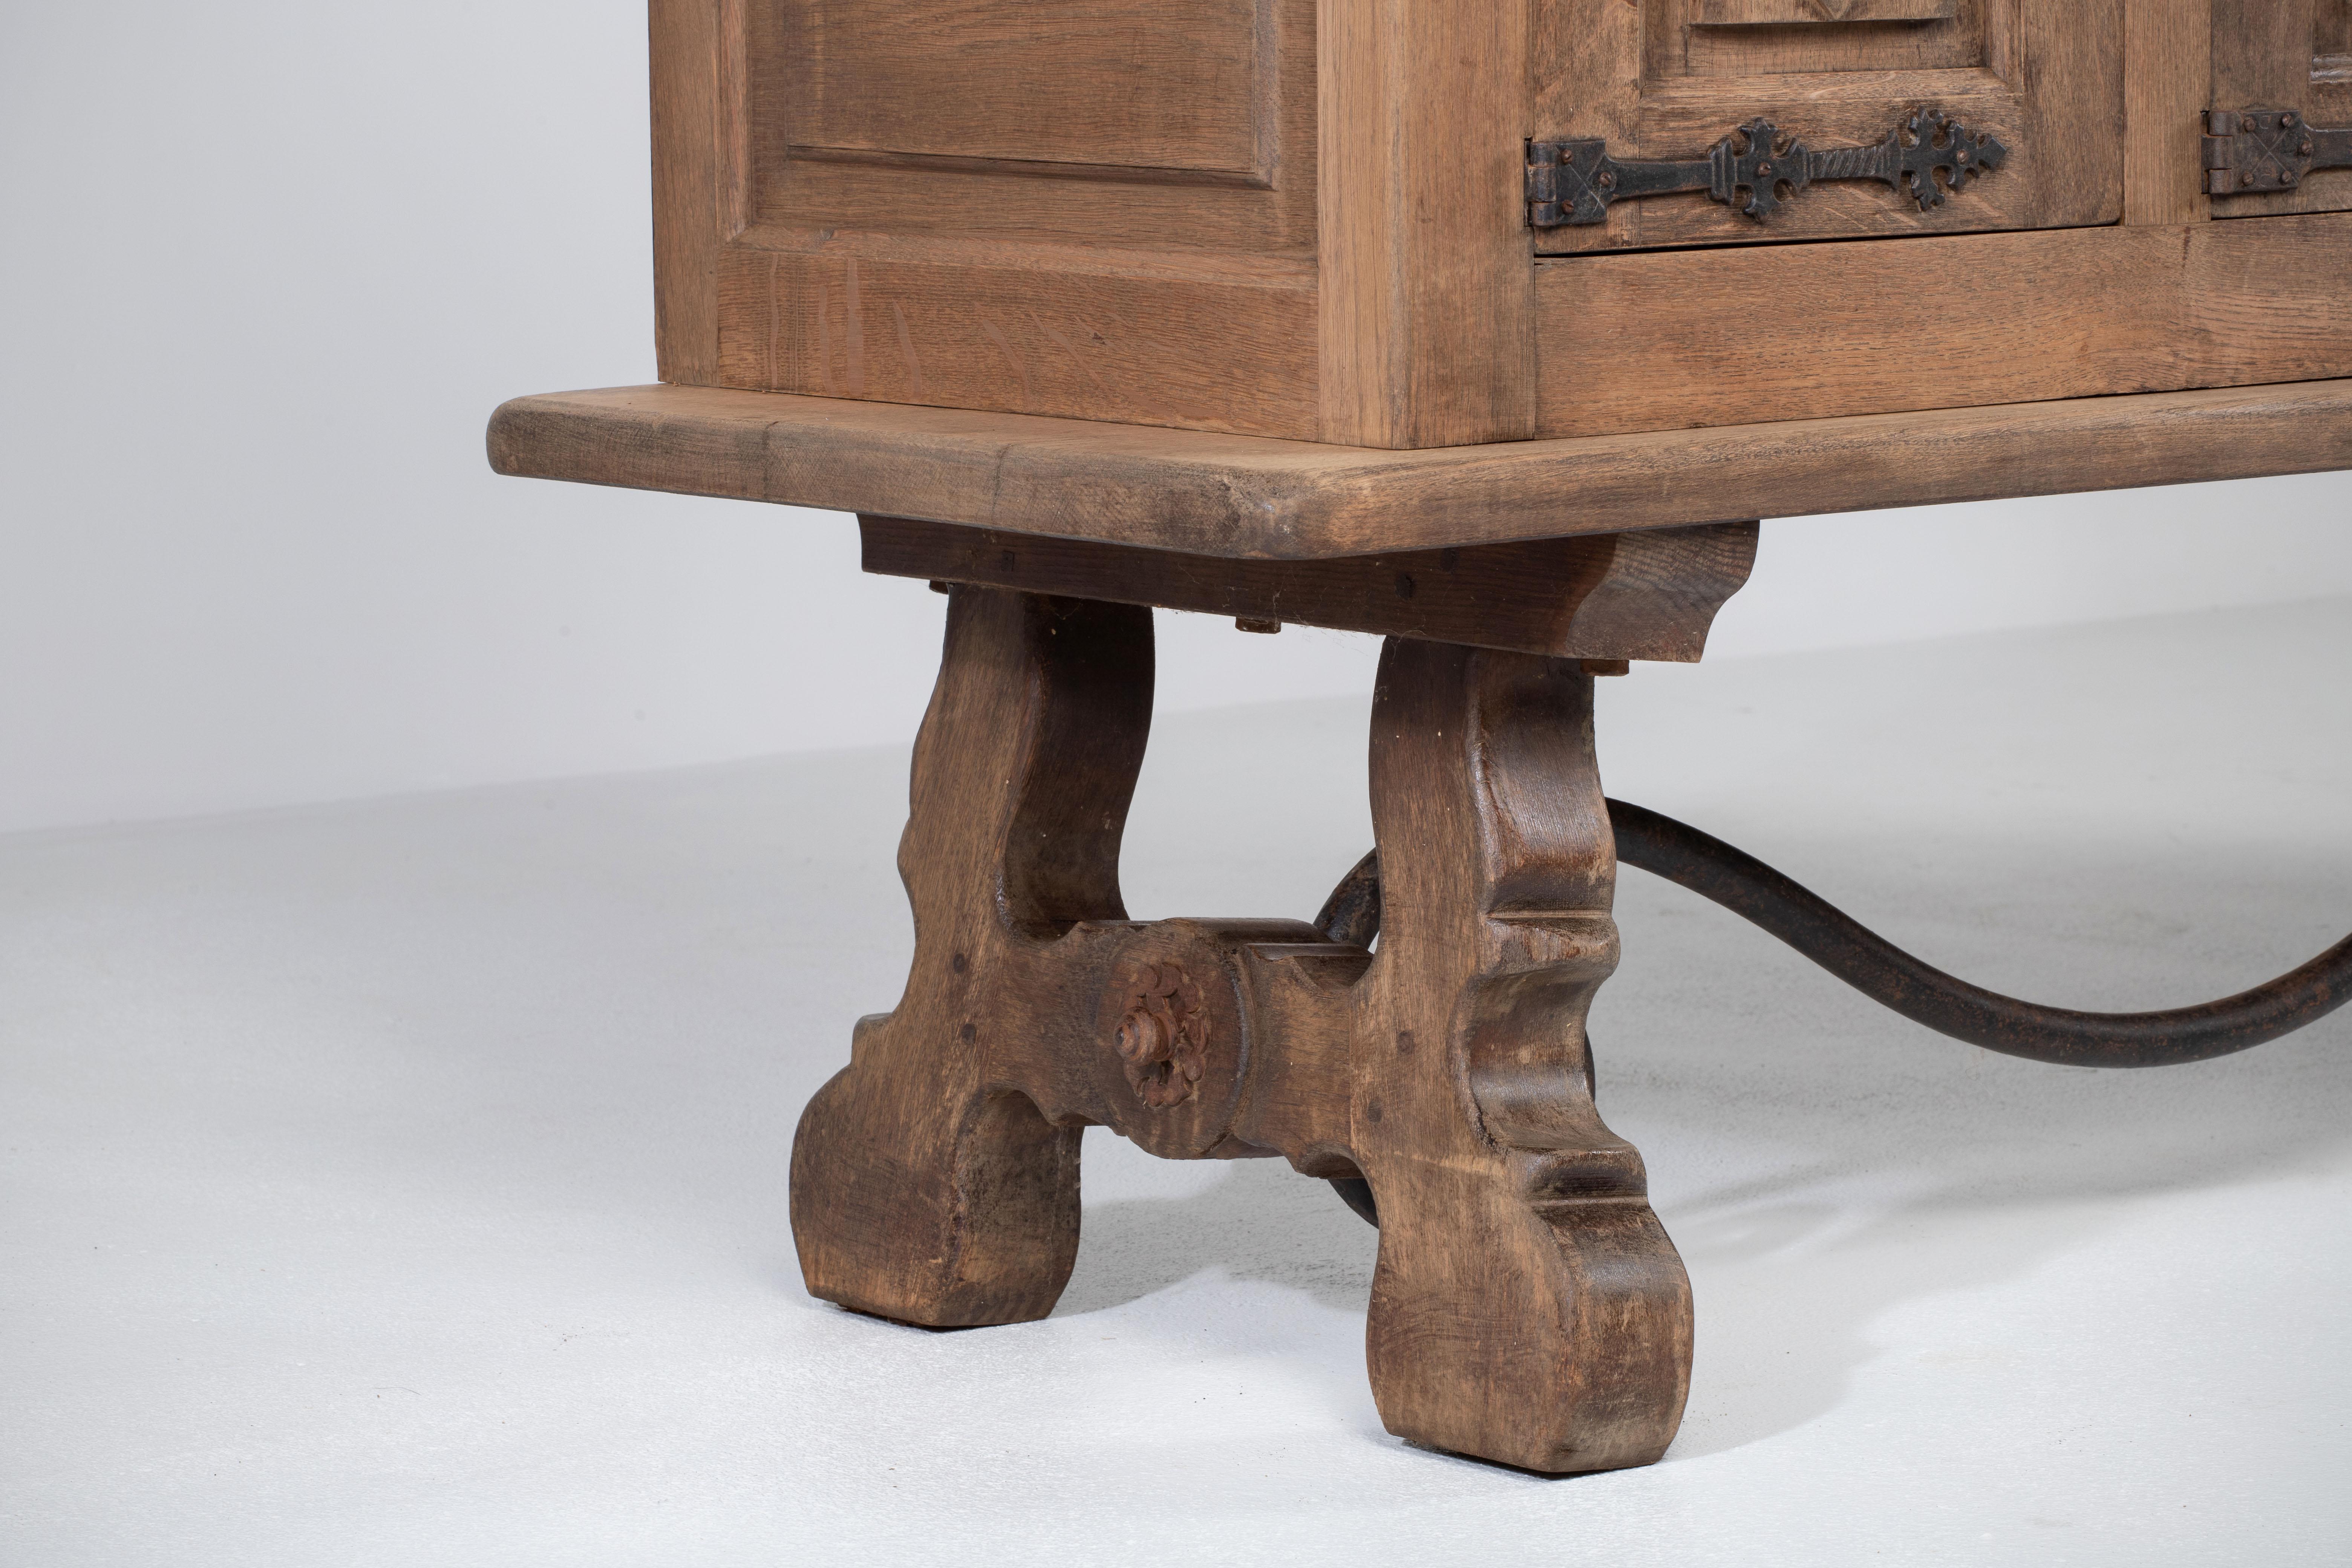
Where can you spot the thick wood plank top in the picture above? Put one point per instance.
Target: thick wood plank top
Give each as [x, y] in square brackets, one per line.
[1248, 495]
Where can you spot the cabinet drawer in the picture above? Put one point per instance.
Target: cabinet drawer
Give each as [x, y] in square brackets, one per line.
[1057, 206]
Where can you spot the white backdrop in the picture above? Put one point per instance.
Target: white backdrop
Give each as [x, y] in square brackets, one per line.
[270, 266]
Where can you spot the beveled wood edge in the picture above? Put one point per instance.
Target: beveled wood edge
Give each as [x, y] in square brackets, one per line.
[1256, 497]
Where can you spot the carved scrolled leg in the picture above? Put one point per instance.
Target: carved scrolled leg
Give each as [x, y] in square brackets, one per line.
[924, 1187]
[1527, 1307]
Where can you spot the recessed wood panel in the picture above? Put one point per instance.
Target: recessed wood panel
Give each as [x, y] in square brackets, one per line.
[1146, 84]
[2331, 39]
[1815, 13]
[1666, 340]
[1727, 37]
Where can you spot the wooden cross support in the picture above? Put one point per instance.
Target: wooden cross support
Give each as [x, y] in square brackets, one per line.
[1527, 1307]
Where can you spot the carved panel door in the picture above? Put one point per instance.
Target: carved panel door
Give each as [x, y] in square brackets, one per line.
[1672, 79]
[2293, 57]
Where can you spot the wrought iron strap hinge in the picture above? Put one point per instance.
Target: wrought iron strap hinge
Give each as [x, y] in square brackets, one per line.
[2250, 151]
[1756, 169]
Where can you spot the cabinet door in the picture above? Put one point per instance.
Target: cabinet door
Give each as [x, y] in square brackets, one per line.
[1669, 80]
[2287, 55]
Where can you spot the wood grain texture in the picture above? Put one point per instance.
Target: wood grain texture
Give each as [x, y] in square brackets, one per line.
[2168, 64]
[1181, 85]
[1638, 342]
[2263, 51]
[1425, 300]
[688, 125]
[1242, 495]
[1687, 40]
[1229, 170]
[2068, 61]
[1146, 345]
[1610, 596]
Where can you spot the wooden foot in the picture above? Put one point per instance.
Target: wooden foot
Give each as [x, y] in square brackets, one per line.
[924, 1187]
[1527, 1306]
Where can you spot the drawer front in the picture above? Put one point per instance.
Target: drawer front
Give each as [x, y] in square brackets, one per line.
[1671, 80]
[2290, 55]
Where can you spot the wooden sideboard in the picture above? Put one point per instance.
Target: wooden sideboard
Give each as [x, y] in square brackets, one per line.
[1491, 329]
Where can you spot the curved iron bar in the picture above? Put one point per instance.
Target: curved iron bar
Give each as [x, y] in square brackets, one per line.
[1352, 912]
[1893, 978]
[1357, 1193]
[1925, 994]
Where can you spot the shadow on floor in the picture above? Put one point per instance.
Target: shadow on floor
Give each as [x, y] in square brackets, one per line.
[1830, 1165]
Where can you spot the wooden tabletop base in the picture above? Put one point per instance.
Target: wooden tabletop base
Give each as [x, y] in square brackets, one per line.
[1247, 496]
[1527, 1307]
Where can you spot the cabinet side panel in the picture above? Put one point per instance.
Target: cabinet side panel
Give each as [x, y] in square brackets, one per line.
[1088, 208]
[1659, 342]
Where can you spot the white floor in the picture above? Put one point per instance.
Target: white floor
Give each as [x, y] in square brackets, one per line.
[403, 1183]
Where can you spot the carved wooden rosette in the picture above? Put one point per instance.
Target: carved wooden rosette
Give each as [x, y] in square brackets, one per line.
[1163, 1035]
[1526, 1305]
[1161, 1055]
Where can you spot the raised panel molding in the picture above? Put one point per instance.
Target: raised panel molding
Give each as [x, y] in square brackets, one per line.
[1057, 88]
[1798, 13]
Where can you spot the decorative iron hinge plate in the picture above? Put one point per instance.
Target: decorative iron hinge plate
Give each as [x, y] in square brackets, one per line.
[1756, 169]
[2250, 151]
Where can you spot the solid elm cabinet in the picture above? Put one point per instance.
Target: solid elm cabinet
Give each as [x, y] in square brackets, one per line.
[1282, 218]
[1487, 326]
